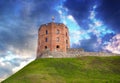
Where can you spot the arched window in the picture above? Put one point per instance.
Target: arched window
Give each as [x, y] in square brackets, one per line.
[46, 32]
[57, 46]
[46, 39]
[58, 31]
[45, 47]
[66, 33]
[66, 41]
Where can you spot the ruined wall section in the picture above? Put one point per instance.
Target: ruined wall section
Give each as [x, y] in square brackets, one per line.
[73, 53]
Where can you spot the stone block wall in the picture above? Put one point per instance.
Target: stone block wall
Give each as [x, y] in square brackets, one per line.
[73, 53]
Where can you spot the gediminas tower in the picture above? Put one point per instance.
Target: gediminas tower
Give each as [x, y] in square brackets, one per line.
[53, 37]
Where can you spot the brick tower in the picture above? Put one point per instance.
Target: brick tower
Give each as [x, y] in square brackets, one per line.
[53, 37]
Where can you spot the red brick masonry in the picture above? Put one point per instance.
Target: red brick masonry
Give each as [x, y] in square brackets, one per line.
[53, 37]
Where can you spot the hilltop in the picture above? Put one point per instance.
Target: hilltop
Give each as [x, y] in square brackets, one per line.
[85, 69]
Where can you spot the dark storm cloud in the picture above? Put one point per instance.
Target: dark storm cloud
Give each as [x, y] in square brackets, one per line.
[80, 10]
[39, 10]
[89, 44]
[11, 29]
[16, 37]
[20, 21]
[107, 37]
[6, 6]
[101, 11]
[109, 12]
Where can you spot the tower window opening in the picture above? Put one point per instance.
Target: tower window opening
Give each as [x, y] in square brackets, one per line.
[58, 31]
[57, 46]
[45, 47]
[57, 39]
[66, 33]
[46, 39]
[46, 32]
[66, 41]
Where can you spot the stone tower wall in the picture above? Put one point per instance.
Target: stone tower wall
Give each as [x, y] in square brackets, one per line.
[53, 37]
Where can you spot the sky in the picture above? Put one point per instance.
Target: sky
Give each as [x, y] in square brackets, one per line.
[94, 25]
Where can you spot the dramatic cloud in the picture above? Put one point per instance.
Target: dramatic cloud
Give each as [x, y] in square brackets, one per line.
[113, 45]
[19, 23]
[93, 25]
[86, 30]
[10, 63]
[109, 12]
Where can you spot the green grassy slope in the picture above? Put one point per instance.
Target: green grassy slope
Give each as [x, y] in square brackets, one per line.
[70, 70]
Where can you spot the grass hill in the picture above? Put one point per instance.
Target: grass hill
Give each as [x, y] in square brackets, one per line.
[86, 69]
